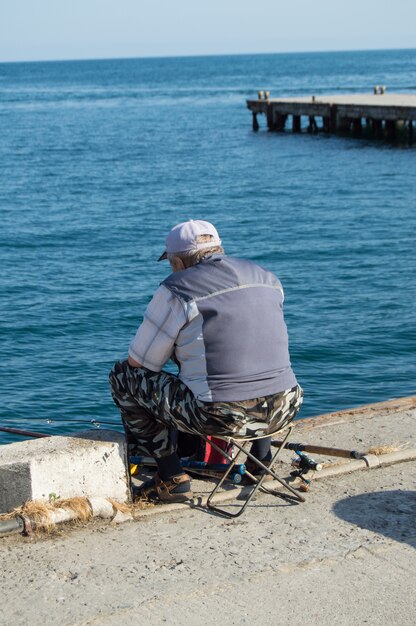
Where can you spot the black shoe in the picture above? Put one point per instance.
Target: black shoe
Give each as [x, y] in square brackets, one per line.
[257, 472]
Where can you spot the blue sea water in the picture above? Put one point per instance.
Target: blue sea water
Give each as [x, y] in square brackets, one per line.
[98, 159]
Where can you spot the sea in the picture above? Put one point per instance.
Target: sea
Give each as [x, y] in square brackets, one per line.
[99, 159]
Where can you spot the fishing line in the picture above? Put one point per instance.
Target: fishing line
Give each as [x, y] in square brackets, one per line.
[55, 420]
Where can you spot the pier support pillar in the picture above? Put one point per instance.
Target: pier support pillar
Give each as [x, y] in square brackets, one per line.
[402, 131]
[390, 130]
[344, 124]
[270, 118]
[357, 126]
[280, 122]
[313, 126]
[369, 128]
[378, 128]
[333, 116]
[410, 132]
[296, 125]
[255, 122]
[326, 124]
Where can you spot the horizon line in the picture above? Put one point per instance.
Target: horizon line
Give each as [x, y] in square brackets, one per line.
[197, 56]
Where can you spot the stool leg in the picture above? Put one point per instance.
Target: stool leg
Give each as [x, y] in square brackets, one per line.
[270, 472]
[258, 482]
[233, 462]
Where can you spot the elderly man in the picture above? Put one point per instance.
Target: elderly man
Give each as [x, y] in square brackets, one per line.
[221, 320]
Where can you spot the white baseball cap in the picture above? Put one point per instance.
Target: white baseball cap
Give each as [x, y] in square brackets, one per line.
[183, 237]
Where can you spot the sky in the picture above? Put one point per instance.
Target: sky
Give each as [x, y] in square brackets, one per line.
[33, 30]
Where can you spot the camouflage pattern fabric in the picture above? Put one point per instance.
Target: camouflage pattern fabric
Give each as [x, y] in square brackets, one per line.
[154, 405]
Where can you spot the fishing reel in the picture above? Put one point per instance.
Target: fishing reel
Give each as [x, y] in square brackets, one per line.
[305, 463]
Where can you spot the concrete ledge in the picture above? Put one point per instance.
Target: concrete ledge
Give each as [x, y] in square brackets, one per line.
[90, 464]
[358, 413]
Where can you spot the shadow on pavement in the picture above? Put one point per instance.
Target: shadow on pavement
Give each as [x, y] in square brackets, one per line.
[389, 513]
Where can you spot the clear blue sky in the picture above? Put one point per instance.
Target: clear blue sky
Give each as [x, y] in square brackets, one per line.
[81, 29]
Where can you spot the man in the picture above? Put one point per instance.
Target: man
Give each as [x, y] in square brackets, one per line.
[221, 320]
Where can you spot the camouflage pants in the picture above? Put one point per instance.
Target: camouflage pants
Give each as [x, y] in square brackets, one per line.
[154, 405]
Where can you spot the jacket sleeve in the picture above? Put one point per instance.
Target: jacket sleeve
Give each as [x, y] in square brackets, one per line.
[154, 342]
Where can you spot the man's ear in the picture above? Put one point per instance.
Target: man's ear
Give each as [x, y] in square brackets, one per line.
[177, 264]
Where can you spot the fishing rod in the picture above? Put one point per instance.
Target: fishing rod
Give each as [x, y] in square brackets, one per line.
[303, 447]
[26, 433]
[35, 434]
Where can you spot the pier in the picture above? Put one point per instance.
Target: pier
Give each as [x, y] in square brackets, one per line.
[380, 115]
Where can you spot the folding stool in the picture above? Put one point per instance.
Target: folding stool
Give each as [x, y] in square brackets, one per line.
[239, 442]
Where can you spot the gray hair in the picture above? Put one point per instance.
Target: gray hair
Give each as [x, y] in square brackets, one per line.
[192, 257]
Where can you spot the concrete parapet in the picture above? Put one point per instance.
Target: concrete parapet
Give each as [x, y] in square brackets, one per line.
[89, 463]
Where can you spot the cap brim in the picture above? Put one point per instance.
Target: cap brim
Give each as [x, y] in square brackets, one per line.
[163, 256]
